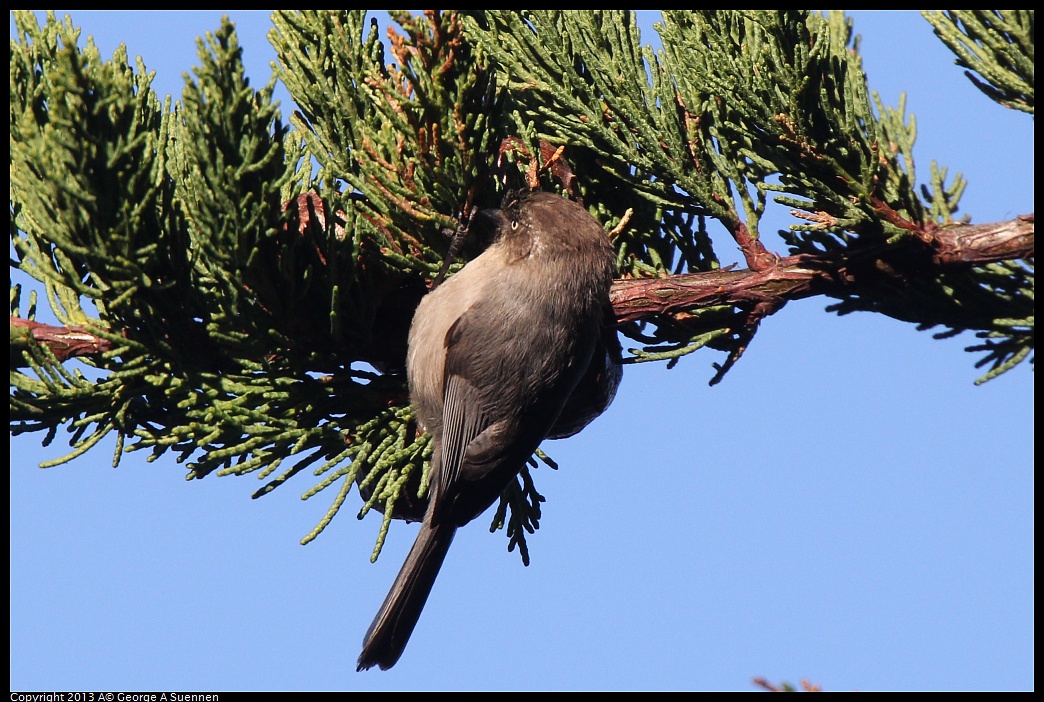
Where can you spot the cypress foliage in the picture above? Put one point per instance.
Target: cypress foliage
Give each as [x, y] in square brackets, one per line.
[240, 289]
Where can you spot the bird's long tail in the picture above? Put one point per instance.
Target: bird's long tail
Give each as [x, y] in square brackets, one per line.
[391, 628]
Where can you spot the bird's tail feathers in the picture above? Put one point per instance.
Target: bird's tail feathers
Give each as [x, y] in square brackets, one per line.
[387, 636]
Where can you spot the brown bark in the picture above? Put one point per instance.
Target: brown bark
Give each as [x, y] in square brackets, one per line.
[64, 342]
[766, 289]
[804, 275]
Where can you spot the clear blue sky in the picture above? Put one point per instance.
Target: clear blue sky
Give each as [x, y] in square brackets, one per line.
[846, 506]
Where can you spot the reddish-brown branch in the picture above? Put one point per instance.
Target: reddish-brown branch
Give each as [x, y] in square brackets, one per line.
[789, 279]
[890, 215]
[761, 292]
[796, 277]
[984, 243]
[64, 342]
[758, 258]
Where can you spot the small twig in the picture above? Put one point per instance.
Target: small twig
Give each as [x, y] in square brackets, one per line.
[456, 244]
[615, 231]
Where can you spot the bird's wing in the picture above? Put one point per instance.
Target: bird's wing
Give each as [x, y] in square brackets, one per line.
[463, 418]
[466, 403]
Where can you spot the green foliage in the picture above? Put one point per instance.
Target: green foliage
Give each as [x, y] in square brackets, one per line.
[249, 285]
[223, 318]
[995, 44]
[737, 106]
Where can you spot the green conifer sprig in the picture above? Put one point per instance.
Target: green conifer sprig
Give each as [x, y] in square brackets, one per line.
[996, 46]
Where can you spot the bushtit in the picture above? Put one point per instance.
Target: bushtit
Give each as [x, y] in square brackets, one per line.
[494, 354]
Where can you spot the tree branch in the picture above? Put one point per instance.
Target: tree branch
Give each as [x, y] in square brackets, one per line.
[791, 278]
[984, 243]
[805, 275]
[64, 342]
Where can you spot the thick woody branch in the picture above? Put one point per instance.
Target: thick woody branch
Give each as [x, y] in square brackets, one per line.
[984, 243]
[789, 279]
[767, 289]
[805, 275]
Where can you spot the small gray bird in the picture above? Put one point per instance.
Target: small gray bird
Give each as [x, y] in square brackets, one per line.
[495, 353]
